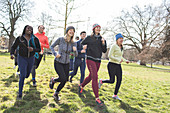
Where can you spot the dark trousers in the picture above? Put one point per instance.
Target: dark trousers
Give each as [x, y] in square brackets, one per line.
[63, 72]
[16, 61]
[79, 62]
[114, 70]
[36, 65]
[71, 65]
[25, 66]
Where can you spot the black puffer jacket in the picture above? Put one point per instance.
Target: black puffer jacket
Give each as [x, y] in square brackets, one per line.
[24, 44]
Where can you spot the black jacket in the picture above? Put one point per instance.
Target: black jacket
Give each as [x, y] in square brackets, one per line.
[79, 48]
[23, 44]
[94, 48]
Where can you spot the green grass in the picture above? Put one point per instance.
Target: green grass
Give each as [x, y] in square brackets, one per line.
[160, 66]
[143, 89]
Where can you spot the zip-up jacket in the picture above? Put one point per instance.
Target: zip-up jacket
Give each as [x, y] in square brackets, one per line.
[64, 49]
[116, 54]
[24, 44]
[79, 48]
[43, 40]
[94, 48]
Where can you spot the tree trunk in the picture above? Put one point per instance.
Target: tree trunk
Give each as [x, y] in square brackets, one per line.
[11, 40]
[142, 62]
[151, 62]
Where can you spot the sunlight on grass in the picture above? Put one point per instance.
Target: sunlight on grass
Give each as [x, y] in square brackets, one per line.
[143, 90]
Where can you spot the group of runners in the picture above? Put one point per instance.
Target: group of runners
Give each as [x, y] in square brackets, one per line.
[28, 50]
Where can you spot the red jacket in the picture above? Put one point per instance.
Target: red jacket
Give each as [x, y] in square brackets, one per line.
[43, 40]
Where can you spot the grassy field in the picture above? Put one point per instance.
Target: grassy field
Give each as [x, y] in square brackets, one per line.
[143, 90]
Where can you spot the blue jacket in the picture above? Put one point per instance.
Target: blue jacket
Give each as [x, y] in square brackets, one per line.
[79, 48]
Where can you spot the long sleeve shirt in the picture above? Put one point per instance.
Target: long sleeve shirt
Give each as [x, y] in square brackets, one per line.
[64, 49]
[115, 54]
[23, 45]
[43, 40]
[79, 49]
[94, 48]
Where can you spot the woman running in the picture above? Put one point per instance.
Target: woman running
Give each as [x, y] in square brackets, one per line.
[114, 65]
[28, 45]
[95, 46]
[62, 59]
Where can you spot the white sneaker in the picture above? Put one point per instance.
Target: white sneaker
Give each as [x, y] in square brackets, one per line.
[56, 97]
[17, 73]
[14, 67]
[34, 84]
[116, 97]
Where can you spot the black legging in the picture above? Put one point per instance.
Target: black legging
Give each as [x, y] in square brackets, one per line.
[36, 65]
[63, 73]
[114, 69]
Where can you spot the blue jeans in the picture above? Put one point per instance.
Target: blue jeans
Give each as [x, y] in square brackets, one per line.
[79, 62]
[25, 66]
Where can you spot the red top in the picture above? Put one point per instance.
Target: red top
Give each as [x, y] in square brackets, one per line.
[43, 40]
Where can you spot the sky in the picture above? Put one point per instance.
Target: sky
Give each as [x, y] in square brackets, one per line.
[90, 11]
[97, 11]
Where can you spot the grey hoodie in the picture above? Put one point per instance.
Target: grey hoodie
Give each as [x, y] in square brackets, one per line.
[64, 49]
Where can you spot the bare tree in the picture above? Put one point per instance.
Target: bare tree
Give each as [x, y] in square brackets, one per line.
[141, 27]
[166, 42]
[10, 12]
[46, 20]
[68, 6]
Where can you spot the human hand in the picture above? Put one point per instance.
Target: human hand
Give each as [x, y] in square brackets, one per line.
[85, 47]
[83, 51]
[58, 56]
[127, 62]
[12, 57]
[121, 61]
[74, 48]
[30, 49]
[103, 41]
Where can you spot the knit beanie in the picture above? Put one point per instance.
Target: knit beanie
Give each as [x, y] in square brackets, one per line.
[119, 35]
[70, 27]
[95, 25]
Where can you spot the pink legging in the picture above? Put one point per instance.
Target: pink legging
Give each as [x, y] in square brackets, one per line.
[93, 69]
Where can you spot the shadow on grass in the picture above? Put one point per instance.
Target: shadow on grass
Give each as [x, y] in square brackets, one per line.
[31, 102]
[89, 100]
[8, 81]
[129, 109]
[64, 108]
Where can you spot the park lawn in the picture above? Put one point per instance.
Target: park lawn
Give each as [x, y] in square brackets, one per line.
[143, 90]
[160, 66]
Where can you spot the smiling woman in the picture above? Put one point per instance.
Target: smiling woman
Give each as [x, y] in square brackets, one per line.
[28, 44]
[62, 59]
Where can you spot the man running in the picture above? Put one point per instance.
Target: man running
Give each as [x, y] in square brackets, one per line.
[80, 59]
[44, 44]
